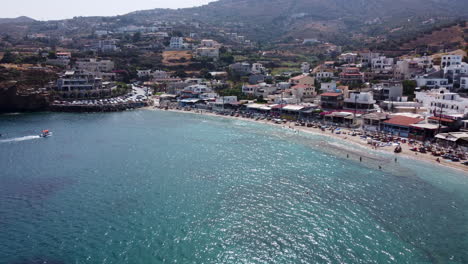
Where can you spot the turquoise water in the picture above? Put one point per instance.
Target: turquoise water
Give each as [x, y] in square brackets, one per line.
[160, 187]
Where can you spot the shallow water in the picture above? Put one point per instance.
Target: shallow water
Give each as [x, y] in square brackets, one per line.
[160, 187]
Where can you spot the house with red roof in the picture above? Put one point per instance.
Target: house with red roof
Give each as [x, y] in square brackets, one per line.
[351, 75]
[401, 125]
[303, 79]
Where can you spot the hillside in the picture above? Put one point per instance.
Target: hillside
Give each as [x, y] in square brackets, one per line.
[22, 19]
[267, 19]
[449, 37]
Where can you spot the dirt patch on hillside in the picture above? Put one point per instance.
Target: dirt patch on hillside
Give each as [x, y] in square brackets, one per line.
[451, 36]
[176, 58]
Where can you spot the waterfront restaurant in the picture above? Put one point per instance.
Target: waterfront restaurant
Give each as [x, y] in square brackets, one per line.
[453, 140]
[400, 125]
[341, 118]
[423, 132]
[374, 121]
[260, 108]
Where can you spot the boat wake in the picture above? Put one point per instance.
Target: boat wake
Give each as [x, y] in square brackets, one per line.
[18, 139]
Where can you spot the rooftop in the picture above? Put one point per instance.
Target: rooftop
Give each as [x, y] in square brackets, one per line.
[441, 119]
[403, 121]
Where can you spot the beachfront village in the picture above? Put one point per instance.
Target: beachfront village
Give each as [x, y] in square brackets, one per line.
[417, 97]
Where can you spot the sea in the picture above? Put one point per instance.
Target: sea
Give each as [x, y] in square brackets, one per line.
[161, 187]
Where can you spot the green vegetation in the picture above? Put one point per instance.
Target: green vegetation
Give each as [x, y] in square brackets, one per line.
[409, 86]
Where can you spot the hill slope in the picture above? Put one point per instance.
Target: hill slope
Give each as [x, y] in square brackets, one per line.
[274, 18]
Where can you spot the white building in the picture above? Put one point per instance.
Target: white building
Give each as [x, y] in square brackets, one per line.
[198, 88]
[432, 82]
[160, 75]
[464, 83]
[382, 63]
[360, 101]
[448, 60]
[143, 73]
[79, 84]
[209, 43]
[348, 57]
[208, 52]
[441, 100]
[456, 71]
[108, 45]
[283, 85]
[328, 87]
[62, 59]
[388, 91]
[101, 33]
[258, 68]
[323, 75]
[305, 67]
[176, 43]
[95, 65]
[226, 100]
[411, 67]
[367, 57]
[261, 89]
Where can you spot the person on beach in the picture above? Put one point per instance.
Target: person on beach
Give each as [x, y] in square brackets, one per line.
[360, 159]
[438, 160]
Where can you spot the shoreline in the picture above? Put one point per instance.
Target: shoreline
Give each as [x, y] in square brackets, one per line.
[406, 152]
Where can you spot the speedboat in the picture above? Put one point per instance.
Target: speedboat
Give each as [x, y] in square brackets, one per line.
[45, 133]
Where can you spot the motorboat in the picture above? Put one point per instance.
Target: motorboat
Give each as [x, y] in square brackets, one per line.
[45, 133]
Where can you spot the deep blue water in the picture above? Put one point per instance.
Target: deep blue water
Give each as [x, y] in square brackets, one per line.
[160, 187]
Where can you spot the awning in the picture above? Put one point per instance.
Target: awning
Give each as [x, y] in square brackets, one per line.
[427, 126]
[190, 101]
[453, 136]
[293, 108]
[259, 107]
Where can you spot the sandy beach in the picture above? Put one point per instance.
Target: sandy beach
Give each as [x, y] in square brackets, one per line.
[406, 152]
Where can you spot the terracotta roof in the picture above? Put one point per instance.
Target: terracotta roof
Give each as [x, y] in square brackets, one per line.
[403, 120]
[331, 94]
[441, 119]
[299, 77]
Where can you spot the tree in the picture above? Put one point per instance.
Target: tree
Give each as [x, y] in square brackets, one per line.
[227, 58]
[136, 37]
[8, 57]
[52, 55]
[204, 73]
[181, 74]
[409, 86]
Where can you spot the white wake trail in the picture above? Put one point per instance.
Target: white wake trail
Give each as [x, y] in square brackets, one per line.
[18, 139]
